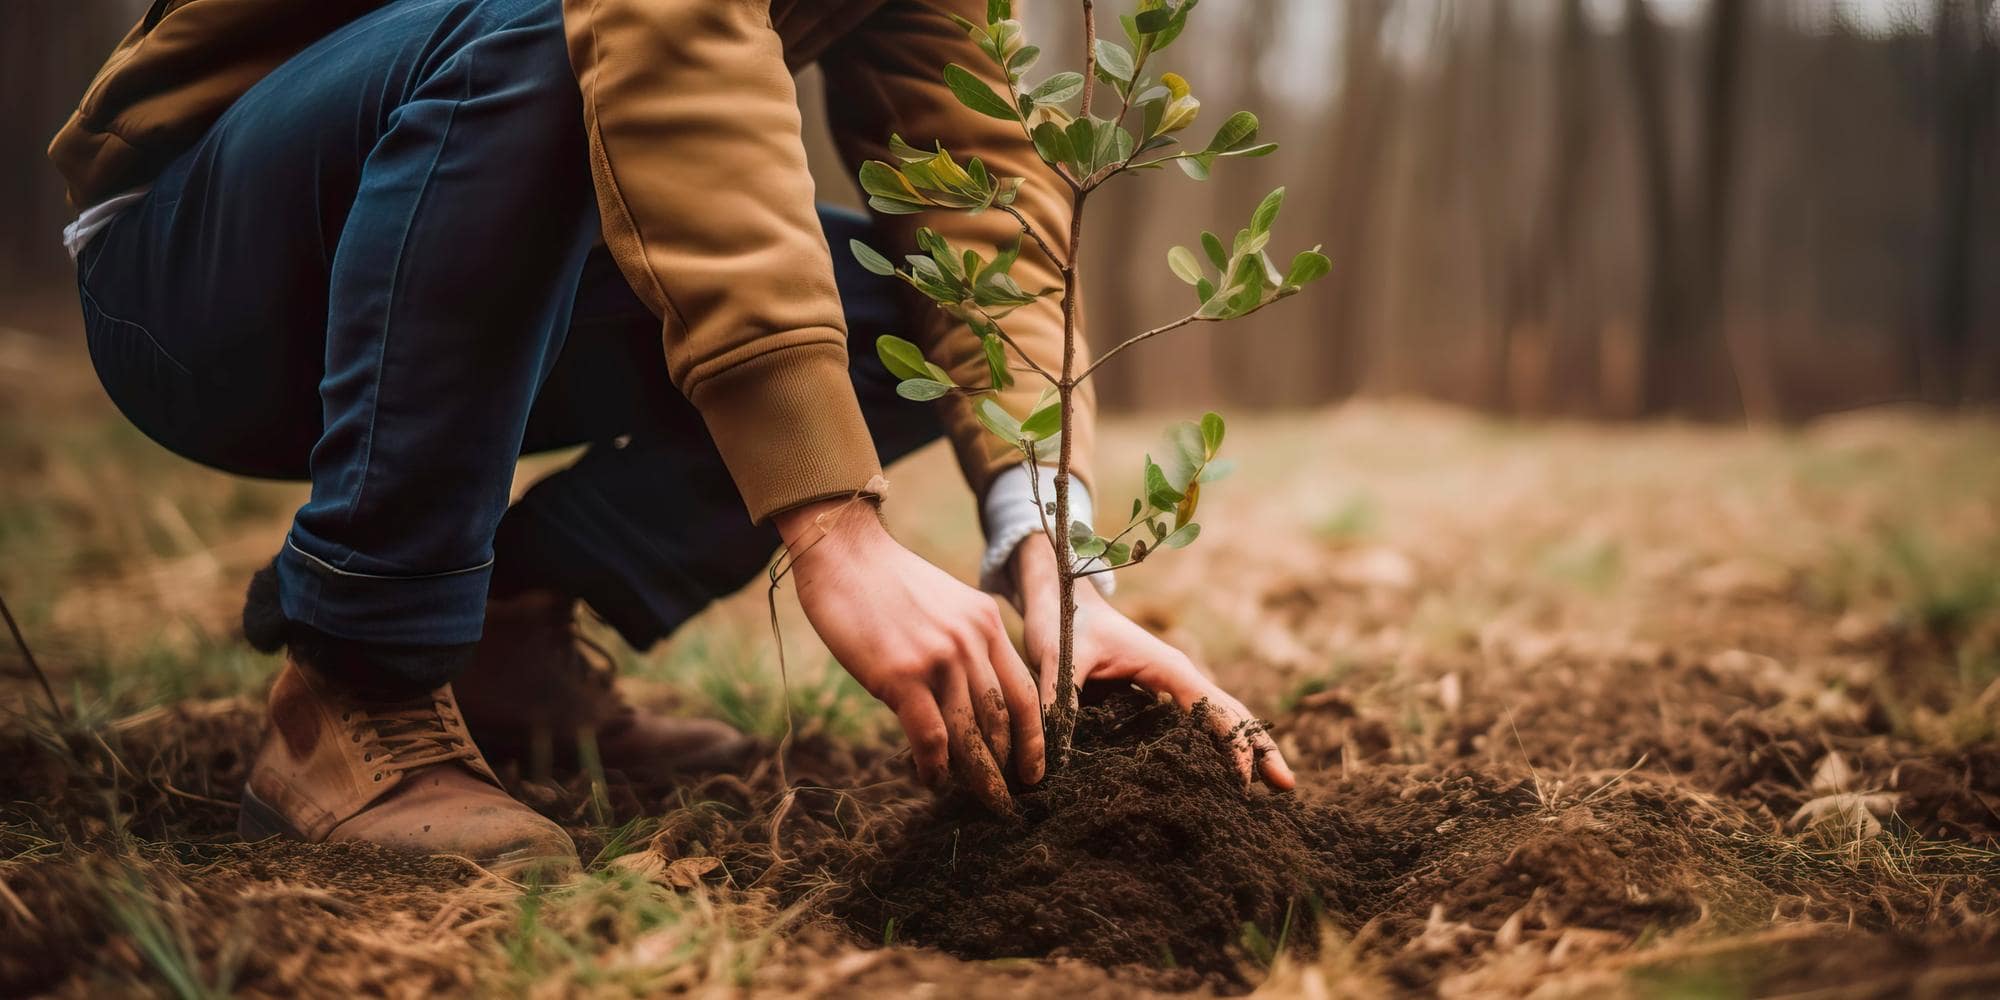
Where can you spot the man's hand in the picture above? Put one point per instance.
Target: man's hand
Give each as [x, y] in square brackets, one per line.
[931, 648]
[1110, 646]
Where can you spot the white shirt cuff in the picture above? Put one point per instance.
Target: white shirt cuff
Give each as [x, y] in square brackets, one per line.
[1011, 518]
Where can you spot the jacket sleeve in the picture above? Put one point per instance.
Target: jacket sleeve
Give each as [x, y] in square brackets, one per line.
[887, 77]
[707, 207]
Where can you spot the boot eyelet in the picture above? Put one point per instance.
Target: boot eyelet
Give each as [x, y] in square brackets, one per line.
[378, 776]
[367, 757]
[345, 716]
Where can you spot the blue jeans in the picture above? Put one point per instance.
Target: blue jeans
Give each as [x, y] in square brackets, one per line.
[379, 271]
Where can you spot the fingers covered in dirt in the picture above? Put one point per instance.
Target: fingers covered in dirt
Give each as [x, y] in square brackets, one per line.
[1257, 755]
[1020, 700]
[927, 645]
[1110, 646]
[972, 761]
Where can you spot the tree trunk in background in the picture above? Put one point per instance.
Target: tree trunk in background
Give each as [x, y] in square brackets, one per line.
[1966, 78]
[1367, 102]
[1499, 257]
[49, 50]
[1660, 325]
[1683, 352]
[1723, 99]
[1544, 269]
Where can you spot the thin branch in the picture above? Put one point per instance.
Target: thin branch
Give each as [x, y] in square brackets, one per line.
[1106, 569]
[1089, 57]
[1028, 229]
[1148, 335]
[1128, 529]
[28, 655]
[1159, 161]
[1008, 339]
[1026, 132]
[1035, 489]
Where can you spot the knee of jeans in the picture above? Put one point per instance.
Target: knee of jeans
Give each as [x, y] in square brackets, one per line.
[530, 32]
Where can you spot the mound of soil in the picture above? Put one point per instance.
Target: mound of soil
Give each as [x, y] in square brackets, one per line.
[1146, 850]
[1147, 854]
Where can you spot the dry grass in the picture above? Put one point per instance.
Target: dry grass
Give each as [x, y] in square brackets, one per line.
[1678, 615]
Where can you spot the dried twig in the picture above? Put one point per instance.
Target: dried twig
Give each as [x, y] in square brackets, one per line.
[21, 643]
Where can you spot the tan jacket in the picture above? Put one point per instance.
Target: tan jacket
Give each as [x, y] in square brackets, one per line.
[701, 179]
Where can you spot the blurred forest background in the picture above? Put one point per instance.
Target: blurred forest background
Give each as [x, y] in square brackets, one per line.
[1727, 209]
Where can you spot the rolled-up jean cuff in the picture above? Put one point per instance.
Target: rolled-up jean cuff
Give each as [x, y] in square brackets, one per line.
[437, 609]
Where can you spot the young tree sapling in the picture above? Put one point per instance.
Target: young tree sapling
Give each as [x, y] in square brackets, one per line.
[1083, 151]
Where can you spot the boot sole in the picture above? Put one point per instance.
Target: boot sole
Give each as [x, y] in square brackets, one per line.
[257, 821]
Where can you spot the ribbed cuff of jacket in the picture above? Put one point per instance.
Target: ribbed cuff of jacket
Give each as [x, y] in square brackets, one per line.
[789, 428]
[1011, 517]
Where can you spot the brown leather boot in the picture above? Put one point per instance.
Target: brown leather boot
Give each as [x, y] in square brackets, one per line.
[403, 775]
[537, 689]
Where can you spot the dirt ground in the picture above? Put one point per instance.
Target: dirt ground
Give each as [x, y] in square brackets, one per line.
[1577, 710]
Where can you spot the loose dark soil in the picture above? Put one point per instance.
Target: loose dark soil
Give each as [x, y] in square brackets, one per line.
[1147, 850]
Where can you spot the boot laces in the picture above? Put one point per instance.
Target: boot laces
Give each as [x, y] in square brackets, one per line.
[415, 734]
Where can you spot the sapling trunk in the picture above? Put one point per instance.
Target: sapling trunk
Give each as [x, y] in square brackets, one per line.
[1061, 722]
[1083, 151]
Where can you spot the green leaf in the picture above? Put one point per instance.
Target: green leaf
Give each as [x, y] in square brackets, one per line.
[1005, 261]
[997, 420]
[1211, 433]
[1211, 244]
[1309, 266]
[1239, 129]
[996, 362]
[1204, 290]
[1114, 63]
[1197, 165]
[1118, 553]
[1252, 152]
[1083, 147]
[1052, 144]
[1158, 492]
[922, 390]
[1113, 145]
[1267, 213]
[1218, 469]
[871, 261]
[906, 153]
[1182, 262]
[999, 10]
[1272, 278]
[892, 206]
[883, 181]
[1019, 62]
[1182, 536]
[903, 359]
[1085, 542]
[1188, 454]
[973, 92]
[1149, 22]
[1043, 422]
[1174, 27]
[1058, 88]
